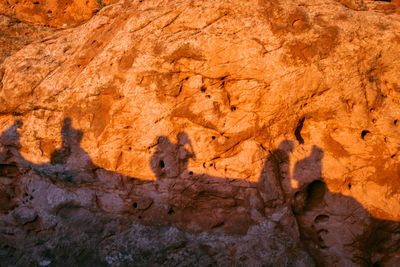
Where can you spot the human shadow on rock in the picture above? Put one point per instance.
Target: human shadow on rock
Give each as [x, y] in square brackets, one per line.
[332, 226]
[337, 228]
[10, 145]
[199, 201]
[69, 163]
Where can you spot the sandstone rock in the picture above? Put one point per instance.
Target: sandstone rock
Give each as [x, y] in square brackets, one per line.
[212, 132]
[15, 34]
[52, 13]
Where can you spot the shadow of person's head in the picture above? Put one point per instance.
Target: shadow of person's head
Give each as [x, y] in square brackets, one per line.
[185, 147]
[316, 153]
[309, 168]
[163, 158]
[286, 146]
[170, 159]
[70, 136]
[10, 137]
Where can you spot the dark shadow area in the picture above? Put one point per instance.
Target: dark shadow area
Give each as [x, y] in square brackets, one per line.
[330, 225]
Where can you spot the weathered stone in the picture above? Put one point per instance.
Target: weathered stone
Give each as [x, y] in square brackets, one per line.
[54, 13]
[206, 133]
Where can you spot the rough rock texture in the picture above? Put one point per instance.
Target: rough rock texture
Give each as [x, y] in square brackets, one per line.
[54, 13]
[205, 133]
[15, 34]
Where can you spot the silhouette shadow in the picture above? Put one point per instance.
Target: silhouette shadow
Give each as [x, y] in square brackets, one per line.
[200, 201]
[69, 163]
[10, 156]
[324, 218]
[332, 226]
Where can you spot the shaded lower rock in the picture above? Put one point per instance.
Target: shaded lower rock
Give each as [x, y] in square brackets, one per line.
[82, 238]
[263, 245]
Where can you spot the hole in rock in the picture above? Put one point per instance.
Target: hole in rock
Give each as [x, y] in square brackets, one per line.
[396, 122]
[171, 211]
[139, 217]
[130, 148]
[203, 88]
[392, 156]
[349, 185]
[297, 132]
[373, 120]
[315, 194]
[134, 205]
[233, 108]
[321, 218]
[213, 137]
[36, 3]
[211, 164]
[208, 96]
[371, 110]
[377, 264]
[162, 164]
[364, 133]
[190, 173]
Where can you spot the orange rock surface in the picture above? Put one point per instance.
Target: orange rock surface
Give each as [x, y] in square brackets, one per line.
[204, 133]
[53, 13]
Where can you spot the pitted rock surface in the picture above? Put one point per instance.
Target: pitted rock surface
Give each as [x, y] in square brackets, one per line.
[203, 133]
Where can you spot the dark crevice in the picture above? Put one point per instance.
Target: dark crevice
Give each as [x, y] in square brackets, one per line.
[297, 132]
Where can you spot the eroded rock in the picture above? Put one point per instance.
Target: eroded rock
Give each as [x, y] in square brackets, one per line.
[206, 133]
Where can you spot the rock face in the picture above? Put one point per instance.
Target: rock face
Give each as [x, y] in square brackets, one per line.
[53, 13]
[15, 34]
[204, 133]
